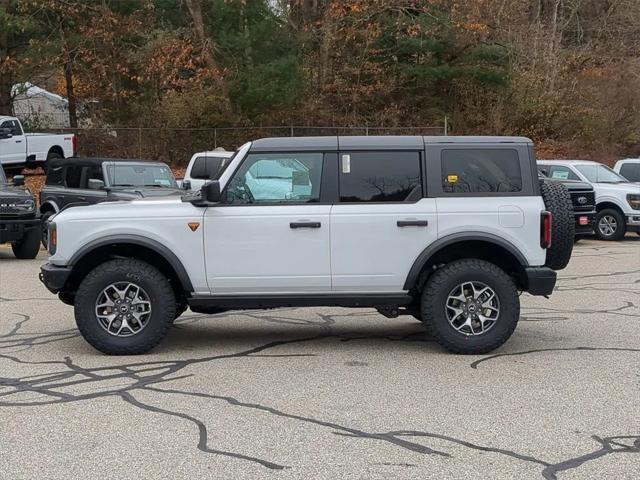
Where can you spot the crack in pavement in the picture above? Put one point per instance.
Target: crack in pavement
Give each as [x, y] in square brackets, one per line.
[475, 364]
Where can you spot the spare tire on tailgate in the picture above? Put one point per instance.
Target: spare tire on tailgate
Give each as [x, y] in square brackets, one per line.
[558, 201]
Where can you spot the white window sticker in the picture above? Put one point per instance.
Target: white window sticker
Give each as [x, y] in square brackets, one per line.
[346, 163]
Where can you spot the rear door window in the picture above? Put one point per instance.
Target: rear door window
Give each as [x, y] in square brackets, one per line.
[375, 177]
[630, 171]
[209, 168]
[481, 170]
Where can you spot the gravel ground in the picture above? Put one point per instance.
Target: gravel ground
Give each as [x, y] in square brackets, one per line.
[329, 393]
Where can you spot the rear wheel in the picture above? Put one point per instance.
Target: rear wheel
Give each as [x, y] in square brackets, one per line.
[470, 306]
[558, 202]
[124, 307]
[610, 224]
[29, 246]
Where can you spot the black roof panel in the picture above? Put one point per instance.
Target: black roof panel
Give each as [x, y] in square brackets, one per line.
[372, 142]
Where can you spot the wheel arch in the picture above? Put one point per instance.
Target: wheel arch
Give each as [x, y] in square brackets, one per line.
[129, 246]
[49, 206]
[56, 149]
[609, 204]
[484, 246]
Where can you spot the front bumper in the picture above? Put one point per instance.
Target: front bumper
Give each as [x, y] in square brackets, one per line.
[633, 222]
[13, 229]
[540, 280]
[54, 277]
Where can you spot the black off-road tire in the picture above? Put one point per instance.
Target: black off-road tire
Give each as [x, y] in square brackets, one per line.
[180, 309]
[44, 228]
[621, 226]
[558, 201]
[50, 156]
[29, 246]
[444, 281]
[161, 297]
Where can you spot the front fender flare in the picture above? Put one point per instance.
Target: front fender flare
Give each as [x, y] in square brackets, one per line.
[154, 245]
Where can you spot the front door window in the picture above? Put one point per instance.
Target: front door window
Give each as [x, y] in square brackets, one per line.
[276, 178]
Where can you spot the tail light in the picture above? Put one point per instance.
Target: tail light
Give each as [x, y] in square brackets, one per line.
[74, 144]
[546, 221]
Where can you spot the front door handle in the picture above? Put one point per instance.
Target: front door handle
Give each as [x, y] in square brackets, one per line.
[18, 141]
[412, 223]
[304, 225]
[82, 198]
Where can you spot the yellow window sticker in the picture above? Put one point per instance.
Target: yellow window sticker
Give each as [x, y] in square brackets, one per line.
[452, 178]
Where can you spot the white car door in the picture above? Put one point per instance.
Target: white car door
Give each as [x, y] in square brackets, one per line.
[381, 223]
[13, 149]
[270, 234]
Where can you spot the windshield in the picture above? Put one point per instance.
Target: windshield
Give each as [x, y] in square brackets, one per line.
[600, 174]
[3, 178]
[138, 175]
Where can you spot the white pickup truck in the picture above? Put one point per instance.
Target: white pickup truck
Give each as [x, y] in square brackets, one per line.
[19, 148]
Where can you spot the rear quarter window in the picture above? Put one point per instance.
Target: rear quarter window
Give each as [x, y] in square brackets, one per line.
[481, 170]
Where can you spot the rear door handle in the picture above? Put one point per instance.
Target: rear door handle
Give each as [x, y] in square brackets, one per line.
[82, 198]
[412, 223]
[304, 225]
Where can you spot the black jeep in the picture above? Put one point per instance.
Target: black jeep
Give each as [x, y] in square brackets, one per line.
[85, 181]
[19, 221]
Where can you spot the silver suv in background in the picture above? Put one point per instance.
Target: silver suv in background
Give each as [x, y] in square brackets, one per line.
[204, 167]
[617, 199]
[629, 168]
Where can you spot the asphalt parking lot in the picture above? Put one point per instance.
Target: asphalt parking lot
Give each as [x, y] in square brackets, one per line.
[329, 393]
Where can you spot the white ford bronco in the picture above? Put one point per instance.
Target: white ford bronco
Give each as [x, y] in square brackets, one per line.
[447, 229]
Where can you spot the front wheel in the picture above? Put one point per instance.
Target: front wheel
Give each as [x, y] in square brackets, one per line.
[29, 246]
[610, 224]
[124, 307]
[470, 306]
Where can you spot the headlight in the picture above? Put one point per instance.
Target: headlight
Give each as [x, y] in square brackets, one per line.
[27, 205]
[633, 199]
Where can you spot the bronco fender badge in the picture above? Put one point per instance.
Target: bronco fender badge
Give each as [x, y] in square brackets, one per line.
[193, 226]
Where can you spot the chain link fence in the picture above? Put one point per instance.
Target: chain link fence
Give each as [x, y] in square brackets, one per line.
[176, 145]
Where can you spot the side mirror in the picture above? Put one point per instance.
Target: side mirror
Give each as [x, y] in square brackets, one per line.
[186, 184]
[210, 192]
[95, 184]
[5, 133]
[18, 180]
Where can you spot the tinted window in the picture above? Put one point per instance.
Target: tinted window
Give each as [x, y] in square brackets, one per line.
[276, 178]
[13, 125]
[481, 170]
[209, 168]
[630, 171]
[72, 176]
[380, 177]
[600, 173]
[54, 176]
[92, 172]
[562, 173]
